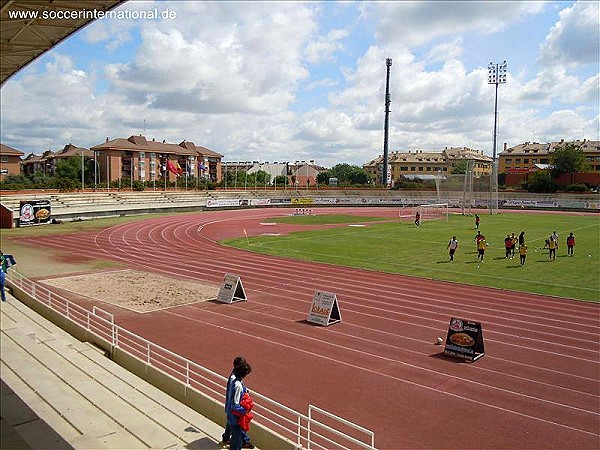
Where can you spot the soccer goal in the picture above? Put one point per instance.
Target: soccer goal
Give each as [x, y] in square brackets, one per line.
[434, 211]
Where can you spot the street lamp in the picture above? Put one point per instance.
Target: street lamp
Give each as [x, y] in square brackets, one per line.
[496, 75]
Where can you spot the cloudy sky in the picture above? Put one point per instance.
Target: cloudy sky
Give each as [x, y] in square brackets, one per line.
[285, 81]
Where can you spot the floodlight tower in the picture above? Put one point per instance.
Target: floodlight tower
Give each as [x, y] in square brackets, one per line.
[496, 75]
[388, 63]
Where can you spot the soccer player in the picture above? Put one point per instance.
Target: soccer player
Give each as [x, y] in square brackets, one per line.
[478, 237]
[522, 253]
[418, 219]
[552, 245]
[481, 245]
[513, 247]
[508, 245]
[452, 246]
[570, 244]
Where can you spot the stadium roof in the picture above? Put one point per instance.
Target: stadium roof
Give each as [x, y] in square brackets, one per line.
[28, 29]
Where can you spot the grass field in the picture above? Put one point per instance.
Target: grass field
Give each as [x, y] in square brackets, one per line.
[400, 247]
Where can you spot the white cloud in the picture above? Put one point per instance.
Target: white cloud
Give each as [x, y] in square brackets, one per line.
[418, 22]
[324, 48]
[550, 83]
[226, 75]
[575, 38]
[325, 83]
[250, 63]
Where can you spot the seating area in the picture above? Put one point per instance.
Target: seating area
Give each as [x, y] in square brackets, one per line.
[59, 392]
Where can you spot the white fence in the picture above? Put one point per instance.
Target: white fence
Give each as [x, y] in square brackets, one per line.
[307, 431]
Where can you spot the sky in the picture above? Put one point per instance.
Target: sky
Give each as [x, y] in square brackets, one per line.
[299, 81]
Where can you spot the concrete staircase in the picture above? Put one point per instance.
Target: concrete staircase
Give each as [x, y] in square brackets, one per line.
[58, 392]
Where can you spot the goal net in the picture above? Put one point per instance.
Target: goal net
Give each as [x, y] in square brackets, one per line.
[469, 190]
[434, 211]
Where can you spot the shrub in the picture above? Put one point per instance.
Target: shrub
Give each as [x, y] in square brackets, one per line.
[541, 181]
[576, 187]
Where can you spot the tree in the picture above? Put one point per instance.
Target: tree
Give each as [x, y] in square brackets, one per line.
[460, 167]
[569, 159]
[281, 180]
[69, 168]
[323, 177]
[541, 181]
[358, 176]
[347, 174]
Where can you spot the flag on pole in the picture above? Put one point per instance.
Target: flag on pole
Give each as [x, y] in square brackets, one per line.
[179, 169]
[245, 233]
[171, 167]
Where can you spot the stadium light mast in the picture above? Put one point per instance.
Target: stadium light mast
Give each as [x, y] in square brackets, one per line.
[496, 75]
[388, 64]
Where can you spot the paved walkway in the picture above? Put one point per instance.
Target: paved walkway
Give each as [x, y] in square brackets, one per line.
[58, 392]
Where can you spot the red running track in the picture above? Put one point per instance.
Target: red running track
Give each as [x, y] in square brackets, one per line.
[538, 386]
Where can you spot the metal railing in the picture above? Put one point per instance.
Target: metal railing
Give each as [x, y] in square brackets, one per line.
[305, 430]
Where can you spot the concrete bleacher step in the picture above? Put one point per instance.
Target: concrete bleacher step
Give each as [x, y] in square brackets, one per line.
[89, 400]
[21, 428]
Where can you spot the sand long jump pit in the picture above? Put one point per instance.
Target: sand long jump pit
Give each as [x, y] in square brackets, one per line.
[136, 290]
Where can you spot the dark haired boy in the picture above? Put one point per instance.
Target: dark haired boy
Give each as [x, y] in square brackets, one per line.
[226, 438]
[235, 393]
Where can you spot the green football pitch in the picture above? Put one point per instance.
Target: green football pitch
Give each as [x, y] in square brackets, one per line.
[399, 247]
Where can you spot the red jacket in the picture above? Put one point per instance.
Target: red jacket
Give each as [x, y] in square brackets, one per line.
[244, 419]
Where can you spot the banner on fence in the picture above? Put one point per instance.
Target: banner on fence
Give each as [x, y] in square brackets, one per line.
[223, 202]
[260, 201]
[281, 201]
[324, 309]
[232, 290]
[302, 201]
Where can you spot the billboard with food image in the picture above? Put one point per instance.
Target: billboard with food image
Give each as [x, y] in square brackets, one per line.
[34, 212]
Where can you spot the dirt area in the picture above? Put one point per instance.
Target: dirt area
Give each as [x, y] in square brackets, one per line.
[136, 290]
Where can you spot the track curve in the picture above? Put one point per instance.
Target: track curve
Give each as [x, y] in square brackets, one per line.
[538, 385]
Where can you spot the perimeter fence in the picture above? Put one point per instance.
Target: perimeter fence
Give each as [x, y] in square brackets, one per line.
[316, 429]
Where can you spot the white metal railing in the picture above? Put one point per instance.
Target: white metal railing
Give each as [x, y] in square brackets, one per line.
[304, 430]
[314, 423]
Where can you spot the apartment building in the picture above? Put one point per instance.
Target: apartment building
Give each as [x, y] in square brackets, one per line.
[46, 162]
[422, 164]
[135, 158]
[140, 159]
[531, 156]
[10, 161]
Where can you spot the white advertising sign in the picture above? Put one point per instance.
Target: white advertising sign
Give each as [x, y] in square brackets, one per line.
[324, 309]
[231, 290]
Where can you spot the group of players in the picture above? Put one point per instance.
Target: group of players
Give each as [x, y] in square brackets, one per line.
[510, 244]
